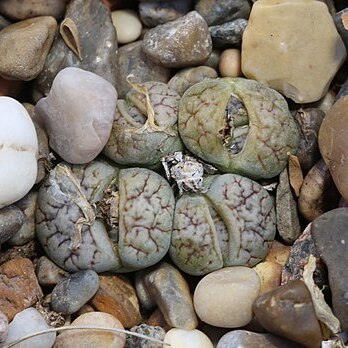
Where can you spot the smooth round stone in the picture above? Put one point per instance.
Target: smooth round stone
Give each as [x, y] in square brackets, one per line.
[127, 24]
[71, 293]
[3, 328]
[11, 220]
[180, 338]
[18, 151]
[270, 275]
[27, 322]
[230, 63]
[92, 338]
[224, 298]
[78, 114]
[48, 273]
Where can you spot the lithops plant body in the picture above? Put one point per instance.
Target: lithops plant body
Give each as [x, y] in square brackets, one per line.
[239, 126]
[98, 217]
[231, 224]
[145, 126]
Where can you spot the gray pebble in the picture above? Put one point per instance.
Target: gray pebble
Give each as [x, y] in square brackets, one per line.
[48, 273]
[11, 220]
[70, 294]
[151, 331]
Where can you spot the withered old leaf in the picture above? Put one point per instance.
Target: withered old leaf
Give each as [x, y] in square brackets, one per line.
[70, 35]
[295, 174]
[322, 309]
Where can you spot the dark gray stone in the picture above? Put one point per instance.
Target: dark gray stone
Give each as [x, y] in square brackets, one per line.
[228, 34]
[151, 331]
[11, 220]
[70, 294]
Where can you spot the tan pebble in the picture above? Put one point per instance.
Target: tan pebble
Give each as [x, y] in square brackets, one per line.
[230, 63]
[270, 275]
[128, 25]
[179, 338]
[278, 253]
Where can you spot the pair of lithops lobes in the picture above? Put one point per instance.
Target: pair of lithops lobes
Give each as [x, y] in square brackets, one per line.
[100, 217]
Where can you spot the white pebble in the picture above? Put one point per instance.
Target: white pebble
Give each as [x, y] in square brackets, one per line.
[128, 25]
[26, 322]
[18, 151]
[180, 338]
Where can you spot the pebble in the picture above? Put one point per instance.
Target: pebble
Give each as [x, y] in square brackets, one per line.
[153, 13]
[131, 60]
[128, 25]
[150, 331]
[48, 273]
[71, 293]
[333, 251]
[98, 44]
[230, 63]
[213, 60]
[26, 322]
[70, 102]
[246, 339]
[92, 338]
[3, 21]
[191, 34]
[25, 46]
[282, 43]
[19, 288]
[187, 77]
[117, 296]
[170, 291]
[3, 328]
[143, 295]
[229, 33]
[222, 11]
[278, 253]
[19, 9]
[224, 298]
[280, 311]
[11, 220]
[156, 318]
[27, 232]
[332, 143]
[18, 144]
[269, 274]
[180, 338]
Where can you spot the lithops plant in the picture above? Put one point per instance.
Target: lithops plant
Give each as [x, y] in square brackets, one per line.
[230, 223]
[145, 126]
[239, 126]
[98, 217]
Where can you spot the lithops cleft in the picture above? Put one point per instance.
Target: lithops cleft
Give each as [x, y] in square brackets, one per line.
[145, 126]
[238, 125]
[98, 217]
[232, 224]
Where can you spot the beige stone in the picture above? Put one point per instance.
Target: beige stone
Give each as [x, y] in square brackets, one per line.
[230, 63]
[270, 275]
[292, 46]
[128, 25]
[179, 338]
[224, 298]
[279, 253]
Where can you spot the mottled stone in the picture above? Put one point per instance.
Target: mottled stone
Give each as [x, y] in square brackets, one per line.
[48, 273]
[131, 60]
[11, 220]
[224, 298]
[280, 311]
[279, 35]
[330, 236]
[98, 45]
[222, 11]
[288, 223]
[309, 121]
[170, 291]
[92, 338]
[230, 63]
[24, 46]
[187, 338]
[3, 327]
[228, 34]
[270, 275]
[318, 192]
[127, 24]
[191, 34]
[78, 114]
[155, 332]
[117, 296]
[19, 288]
[153, 13]
[278, 252]
[246, 339]
[333, 143]
[187, 77]
[19, 9]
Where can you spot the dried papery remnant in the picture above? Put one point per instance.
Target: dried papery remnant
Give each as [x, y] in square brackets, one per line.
[76, 231]
[239, 126]
[232, 224]
[145, 126]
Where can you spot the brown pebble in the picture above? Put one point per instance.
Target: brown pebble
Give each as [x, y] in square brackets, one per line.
[230, 63]
[278, 253]
[270, 275]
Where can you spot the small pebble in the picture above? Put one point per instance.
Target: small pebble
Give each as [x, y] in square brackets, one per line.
[92, 338]
[180, 338]
[127, 24]
[224, 298]
[11, 220]
[26, 322]
[278, 252]
[270, 275]
[48, 273]
[228, 34]
[150, 331]
[143, 295]
[230, 63]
